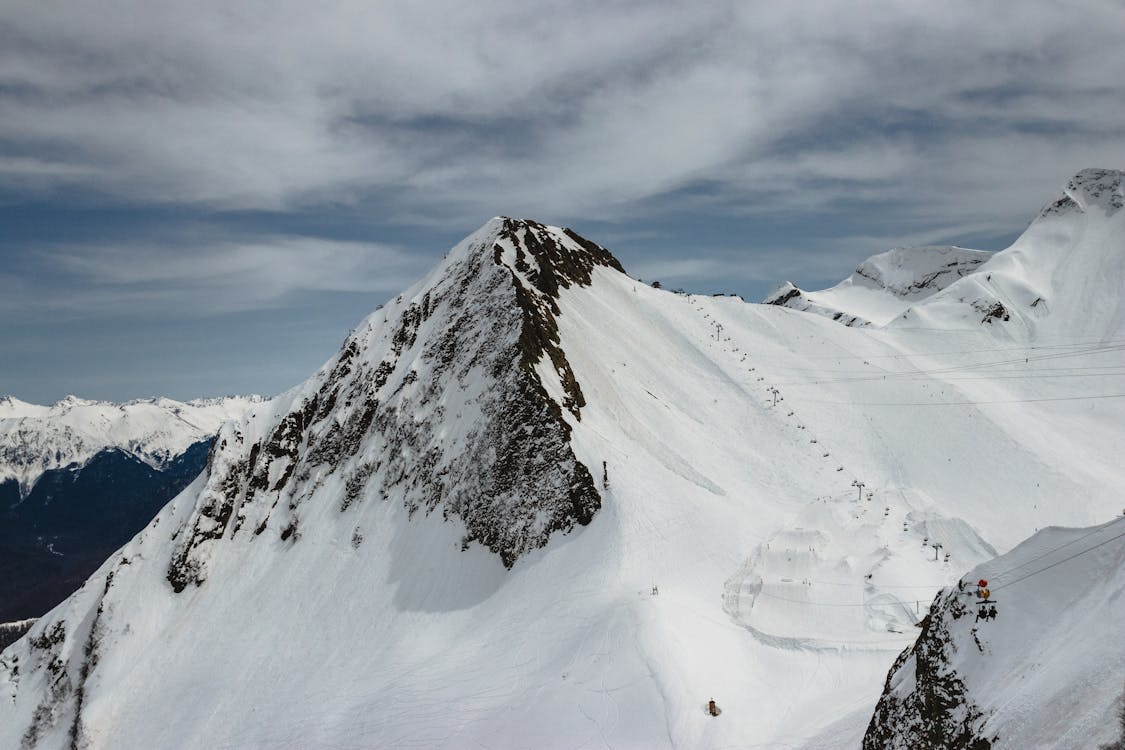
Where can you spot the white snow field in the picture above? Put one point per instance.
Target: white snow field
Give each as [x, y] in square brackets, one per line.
[34, 439]
[777, 483]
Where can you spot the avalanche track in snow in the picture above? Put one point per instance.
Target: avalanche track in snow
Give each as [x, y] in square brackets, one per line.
[713, 500]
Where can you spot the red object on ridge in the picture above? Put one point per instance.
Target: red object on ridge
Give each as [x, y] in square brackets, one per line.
[982, 582]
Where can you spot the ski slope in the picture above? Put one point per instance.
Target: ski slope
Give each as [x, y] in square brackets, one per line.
[774, 486]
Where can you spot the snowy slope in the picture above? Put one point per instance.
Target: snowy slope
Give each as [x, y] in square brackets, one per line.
[885, 285]
[451, 535]
[1032, 289]
[34, 438]
[1047, 672]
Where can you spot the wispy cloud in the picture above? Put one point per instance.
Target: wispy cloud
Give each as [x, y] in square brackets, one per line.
[446, 111]
[199, 165]
[185, 276]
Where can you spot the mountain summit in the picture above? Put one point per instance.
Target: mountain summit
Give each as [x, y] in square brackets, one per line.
[1036, 288]
[885, 285]
[451, 399]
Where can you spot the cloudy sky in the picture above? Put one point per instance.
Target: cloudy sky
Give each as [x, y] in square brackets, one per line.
[202, 198]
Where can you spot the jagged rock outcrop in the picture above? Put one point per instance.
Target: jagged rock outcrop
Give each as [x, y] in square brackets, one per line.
[1100, 188]
[453, 399]
[925, 705]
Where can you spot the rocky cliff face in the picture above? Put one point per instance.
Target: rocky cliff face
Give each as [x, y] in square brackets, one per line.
[1103, 189]
[925, 705]
[454, 399]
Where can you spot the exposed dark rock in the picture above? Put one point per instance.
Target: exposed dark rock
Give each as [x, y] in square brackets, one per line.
[924, 704]
[482, 334]
[1104, 188]
[781, 299]
[995, 311]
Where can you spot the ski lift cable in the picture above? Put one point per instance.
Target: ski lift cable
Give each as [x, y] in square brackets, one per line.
[1021, 365]
[1002, 375]
[1048, 553]
[990, 363]
[1095, 343]
[914, 374]
[964, 403]
[867, 373]
[908, 375]
[1060, 562]
[818, 377]
[995, 587]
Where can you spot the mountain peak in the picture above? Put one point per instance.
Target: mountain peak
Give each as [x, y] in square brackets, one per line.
[456, 399]
[885, 285]
[541, 256]
[548, 256]
[1100, 188]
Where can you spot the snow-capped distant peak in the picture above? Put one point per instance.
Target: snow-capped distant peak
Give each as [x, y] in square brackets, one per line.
[35, 438]
[885, 285]
[1100, 188]
[1061, 277]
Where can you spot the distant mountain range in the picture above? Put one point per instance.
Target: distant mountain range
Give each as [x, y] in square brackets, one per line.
[78, 479]
[886, 285]
[532, 502]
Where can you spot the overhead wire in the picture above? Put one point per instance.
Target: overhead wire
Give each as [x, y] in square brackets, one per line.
[1006, 584]
[995, 587]
[1073, 349]
[1031, 347]
[967, 403]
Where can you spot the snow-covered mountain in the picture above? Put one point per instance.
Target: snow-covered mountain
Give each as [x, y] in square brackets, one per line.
[1048, 670]
[34, 438]
[1041, 287]
[533, 502]
[1018, 287]
[885, 285]
[80, 478]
